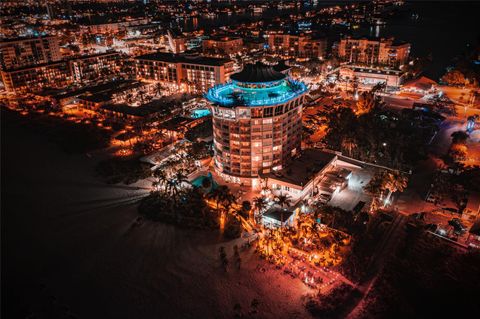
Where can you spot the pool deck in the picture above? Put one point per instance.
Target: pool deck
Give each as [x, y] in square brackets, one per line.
[279, 94]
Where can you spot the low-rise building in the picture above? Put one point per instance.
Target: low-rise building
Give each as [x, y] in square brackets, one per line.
[109, 93]
[367, 77]
[303, 176]
[277, 217]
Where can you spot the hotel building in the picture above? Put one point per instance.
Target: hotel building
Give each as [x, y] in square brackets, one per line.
[257, 123]
[90, 67]
[59, 74]
[222, 45]
[373, 51]
[37, 77]
[298, 46]
[21, 52]
[189, 73]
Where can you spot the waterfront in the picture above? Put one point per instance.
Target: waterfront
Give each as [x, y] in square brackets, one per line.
[429, 26]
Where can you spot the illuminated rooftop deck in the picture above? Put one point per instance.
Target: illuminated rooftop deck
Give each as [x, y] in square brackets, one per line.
[232, 94]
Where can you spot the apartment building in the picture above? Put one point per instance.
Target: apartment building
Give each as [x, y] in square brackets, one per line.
[21, 52]
[367, 51]
[37, 77]
[222, 45]
[297, 46]
[92, 67]
[81, 69]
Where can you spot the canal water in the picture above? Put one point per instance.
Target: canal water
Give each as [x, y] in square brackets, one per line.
[442, 29]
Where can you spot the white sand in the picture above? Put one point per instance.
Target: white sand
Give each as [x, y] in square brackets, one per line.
[65, 229]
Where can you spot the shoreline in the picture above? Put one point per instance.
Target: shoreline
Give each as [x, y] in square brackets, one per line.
[69, 247]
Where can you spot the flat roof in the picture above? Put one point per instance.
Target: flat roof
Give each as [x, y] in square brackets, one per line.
[182, 58]
[142, 110]
[59, 62]
[62, 94]
[37, 66]
[366, 69]
[8, 40]
[95, 55]
[105, 91]
[223, 38]
[301, 170]
[279, 214]
[176, 122]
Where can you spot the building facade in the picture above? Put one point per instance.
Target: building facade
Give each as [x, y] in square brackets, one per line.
[92, 67]
[257, 123]
[113, 27]
[21, 52]
[37, 77]
[187, 73]
[222, 45]
[367, 77]
[59, 74]
[298, 46]
[373, 51]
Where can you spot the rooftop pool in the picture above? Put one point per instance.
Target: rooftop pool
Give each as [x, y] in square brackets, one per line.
[199, 113]
[231, 94]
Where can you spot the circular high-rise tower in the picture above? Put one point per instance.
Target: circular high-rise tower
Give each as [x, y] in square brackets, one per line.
[257, 122]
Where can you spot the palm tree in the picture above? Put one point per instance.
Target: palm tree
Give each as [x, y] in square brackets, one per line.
[245, 209]
[161, 178]
[365, 103]
[222, 197]
[391, 181]
[180, 177]
[349, 144]
[172, 188]
[394, 182]
[283, 200]
[260, 203]
[374, 188]
[379, 87]
[158, 89]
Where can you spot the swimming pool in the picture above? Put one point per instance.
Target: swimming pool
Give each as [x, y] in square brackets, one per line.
[199, 182]
[198, 113]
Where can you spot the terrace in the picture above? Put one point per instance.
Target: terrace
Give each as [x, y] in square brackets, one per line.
[232, 94]
[256, 85]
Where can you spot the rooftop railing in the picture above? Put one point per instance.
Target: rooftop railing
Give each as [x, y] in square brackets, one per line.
[234, 98]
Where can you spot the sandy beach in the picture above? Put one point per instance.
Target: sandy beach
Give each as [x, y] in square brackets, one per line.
[71, 249]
